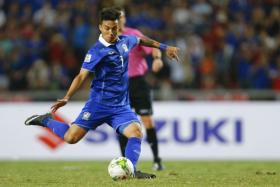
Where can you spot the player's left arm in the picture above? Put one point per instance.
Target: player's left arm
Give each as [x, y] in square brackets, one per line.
[171, 51]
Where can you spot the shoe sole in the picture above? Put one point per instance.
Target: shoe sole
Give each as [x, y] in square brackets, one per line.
[28, 120]
[145, 177]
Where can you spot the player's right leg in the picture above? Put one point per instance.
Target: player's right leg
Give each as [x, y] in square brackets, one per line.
[133, 148]
[71, 134]
[141, 101]
[126, 123]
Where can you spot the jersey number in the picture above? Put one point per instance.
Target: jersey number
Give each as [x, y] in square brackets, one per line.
[121, 57]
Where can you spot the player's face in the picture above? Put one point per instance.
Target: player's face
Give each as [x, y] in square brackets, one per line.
[109, 30]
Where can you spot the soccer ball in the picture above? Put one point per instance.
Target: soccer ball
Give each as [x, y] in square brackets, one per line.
[121, 168]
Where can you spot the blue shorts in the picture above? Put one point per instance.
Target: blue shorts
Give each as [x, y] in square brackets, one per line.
[94, 115]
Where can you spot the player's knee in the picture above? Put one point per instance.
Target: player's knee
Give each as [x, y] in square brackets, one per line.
[136, 132]
[133, 130]
[71, 139]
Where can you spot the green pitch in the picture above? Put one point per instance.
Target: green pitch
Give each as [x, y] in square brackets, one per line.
[177, 173]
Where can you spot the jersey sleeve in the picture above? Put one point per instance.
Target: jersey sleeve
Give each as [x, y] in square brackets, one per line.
[92, 58]
[147, 50]
[132, 41]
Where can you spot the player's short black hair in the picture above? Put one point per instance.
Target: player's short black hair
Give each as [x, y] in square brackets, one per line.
[118, 8]
[109, 14]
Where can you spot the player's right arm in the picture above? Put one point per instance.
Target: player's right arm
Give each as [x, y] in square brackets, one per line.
[75, 85]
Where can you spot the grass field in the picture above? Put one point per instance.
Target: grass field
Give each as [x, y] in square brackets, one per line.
[177, 173]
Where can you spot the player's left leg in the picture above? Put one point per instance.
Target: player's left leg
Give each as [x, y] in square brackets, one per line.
[74, 134]
[71, 134]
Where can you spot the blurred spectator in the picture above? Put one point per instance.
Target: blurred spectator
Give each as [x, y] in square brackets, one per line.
[38, 76]
[273, 22]
[26, 14]
[260, 72]
[275, 74]
[58, 77]
[70, 62]
[56, 48]
[13, 11]
[2, 16]
[79, 37]
[35, 47]
[4, 81]
[243, 66]
[228, 44]
[207, 71]
[45, 15]
[62, 21]
[17, 70]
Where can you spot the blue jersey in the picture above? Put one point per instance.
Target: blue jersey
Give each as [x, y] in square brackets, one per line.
[109, 62]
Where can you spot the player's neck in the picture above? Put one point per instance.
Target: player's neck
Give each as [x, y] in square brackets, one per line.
[105, 42]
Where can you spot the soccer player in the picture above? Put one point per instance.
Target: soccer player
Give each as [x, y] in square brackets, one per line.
[108, 98]
[139, 91]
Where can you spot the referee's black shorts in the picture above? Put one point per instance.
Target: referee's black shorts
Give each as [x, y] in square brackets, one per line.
[140, 95]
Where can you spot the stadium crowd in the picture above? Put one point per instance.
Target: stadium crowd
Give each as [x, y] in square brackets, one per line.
[230, 44]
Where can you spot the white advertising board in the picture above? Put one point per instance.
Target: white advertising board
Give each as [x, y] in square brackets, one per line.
[185, 130]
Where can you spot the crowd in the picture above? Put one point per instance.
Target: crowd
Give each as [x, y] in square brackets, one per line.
[229, 44]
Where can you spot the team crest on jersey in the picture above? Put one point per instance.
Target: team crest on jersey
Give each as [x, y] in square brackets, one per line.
[111, 52]
[87, 58]
[86, 116]
[124, 46]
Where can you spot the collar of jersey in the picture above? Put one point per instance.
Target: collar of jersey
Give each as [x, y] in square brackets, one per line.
[106, 44]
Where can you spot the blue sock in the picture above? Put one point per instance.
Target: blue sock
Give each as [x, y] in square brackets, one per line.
[132, 150]
[56, 127]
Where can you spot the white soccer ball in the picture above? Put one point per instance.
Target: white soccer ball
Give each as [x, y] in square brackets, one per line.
[121, 168]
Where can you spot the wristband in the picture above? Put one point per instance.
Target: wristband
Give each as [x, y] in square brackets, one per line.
[162, 46]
